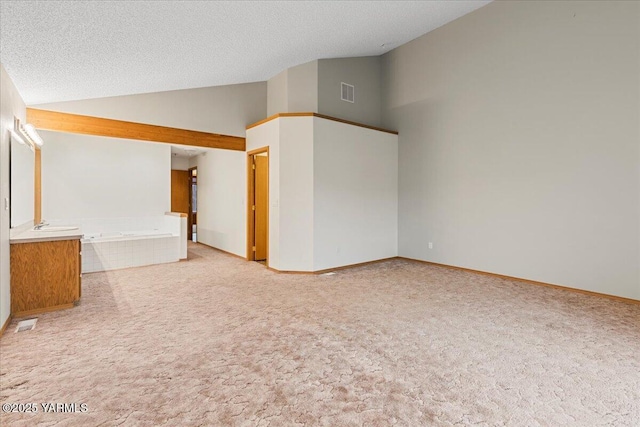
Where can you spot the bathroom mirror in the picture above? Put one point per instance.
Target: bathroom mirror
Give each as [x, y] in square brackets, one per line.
[22, 165]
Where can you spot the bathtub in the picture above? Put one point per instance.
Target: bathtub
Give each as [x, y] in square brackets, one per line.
[128, 235]
[107, 249]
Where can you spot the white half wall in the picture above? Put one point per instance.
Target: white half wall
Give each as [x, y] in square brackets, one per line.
[355, 194]
[96, 177]
[520, 143]
[11, 105]
[222, 177]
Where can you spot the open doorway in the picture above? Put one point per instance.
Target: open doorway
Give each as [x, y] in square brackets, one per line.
[192, 217]
[258, 205]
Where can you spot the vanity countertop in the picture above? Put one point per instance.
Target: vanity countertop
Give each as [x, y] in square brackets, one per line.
[30, 235]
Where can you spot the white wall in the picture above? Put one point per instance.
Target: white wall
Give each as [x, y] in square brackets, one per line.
[179, 163]
[364, 74]
[22, 183]
[95, 177]
[296, 194]
[11, 105]
[302, 88]
[268, 135]
[290, 142]
[277, 94]
[355, 194]
[520, 143]
[294, 90]
[222, 180]
[221, 109]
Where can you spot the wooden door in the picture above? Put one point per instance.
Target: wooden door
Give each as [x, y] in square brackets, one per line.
[179, 191]
[262, 205]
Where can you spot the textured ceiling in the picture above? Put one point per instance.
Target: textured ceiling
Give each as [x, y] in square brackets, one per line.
[64, 50]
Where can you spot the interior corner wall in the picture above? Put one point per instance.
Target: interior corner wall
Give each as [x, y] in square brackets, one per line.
[355, 194]
[302, 88]
[364, 73]
[11, 105]
[294, 90]
[97, 177]
[221, 201]
[520, 143]
[277, 94]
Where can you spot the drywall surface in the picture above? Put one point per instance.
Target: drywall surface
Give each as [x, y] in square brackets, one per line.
[302, 88]
[222, 200]
[520, 143]
[222, 109]
[364, 74]
[22, 183]
[268, 135]
[11, 105]
[277, 94]
[355, 194]
[180, 163]
[96, 177]
[296, 194]
[290, 142]
[294, 90]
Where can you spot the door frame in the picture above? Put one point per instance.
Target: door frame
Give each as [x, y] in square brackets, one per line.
[251, 221]
[190, 213]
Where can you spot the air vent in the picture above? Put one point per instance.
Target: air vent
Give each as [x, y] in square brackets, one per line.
[347, 92]
[26, 325]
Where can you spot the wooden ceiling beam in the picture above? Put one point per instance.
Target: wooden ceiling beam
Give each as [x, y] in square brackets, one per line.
[98, 126]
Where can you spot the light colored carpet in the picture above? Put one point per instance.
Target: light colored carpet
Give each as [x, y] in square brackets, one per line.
[216, 340]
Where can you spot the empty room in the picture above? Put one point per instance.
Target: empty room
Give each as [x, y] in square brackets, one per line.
[320, 213]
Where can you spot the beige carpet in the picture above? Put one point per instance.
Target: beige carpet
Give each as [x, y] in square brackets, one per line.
[216, 341]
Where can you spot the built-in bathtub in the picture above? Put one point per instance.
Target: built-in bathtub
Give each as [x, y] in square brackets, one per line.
[115, 243]
[128, 235]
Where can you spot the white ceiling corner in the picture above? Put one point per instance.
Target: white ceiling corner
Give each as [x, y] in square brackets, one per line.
[65, 50]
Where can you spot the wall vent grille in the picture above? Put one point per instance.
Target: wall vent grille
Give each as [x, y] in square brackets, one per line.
[347, 92]
[26, 325]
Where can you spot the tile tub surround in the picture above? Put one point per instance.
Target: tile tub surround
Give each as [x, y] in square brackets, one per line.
[134, 251]
[115, 243]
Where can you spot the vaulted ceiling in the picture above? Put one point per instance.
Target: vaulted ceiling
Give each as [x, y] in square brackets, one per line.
[65, 50]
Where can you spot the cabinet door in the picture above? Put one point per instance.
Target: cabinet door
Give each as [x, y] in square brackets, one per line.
[44, 275]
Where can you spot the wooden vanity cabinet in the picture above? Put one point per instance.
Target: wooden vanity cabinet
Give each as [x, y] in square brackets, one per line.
[45, 276]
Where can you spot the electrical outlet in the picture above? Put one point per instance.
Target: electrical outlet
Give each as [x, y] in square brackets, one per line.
[430, 245]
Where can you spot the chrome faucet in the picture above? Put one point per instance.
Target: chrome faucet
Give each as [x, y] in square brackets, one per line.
[42, 224]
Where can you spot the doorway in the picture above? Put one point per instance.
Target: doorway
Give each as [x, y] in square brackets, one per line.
[179, 191]
[192, 217]
[258, 205]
